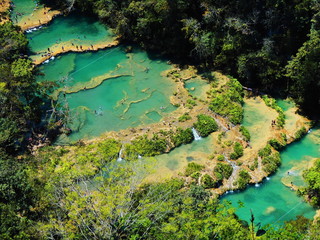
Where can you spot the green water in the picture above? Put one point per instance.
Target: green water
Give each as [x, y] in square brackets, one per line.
[177, 159]
[73, 68]
[272, 202]
[140, 96]
[72, 28]
[168, 165]
[21, 8]
[137, 95]
[285, 104]
[197, 87]
[255, 121]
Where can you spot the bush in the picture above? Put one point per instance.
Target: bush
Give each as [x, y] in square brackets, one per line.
[266, 151]
[254, 165]
[300, 133]
[222, 170]
[220, 157]
[205, 125]
[207, 181]
[145, 147]
[182, 137]
[312, 177]
[270, 102]
[271, 163]
[227, 101]
[193, 168]
[243, 179]
[191, 102]
[237, 151]
[245, 133]
[276, 144]
[184, 117]
[195, 175]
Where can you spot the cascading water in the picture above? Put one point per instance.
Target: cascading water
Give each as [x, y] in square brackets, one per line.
[119, 156]
[195, 134]
[235, 170]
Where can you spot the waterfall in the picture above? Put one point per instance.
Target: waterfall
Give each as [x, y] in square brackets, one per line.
[257, 185]
[195, 134]
[232, 178]
[119, 156]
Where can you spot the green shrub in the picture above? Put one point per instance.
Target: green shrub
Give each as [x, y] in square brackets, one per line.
[237, 151]
[266, 151]
[283, 137]
[281, 120]
[312, 177]
[271, 163]
[189, 106]
[195, 175]
[270, 102]
[222, 134]
[207, 181]
[245, 133]
[276, 144]
[228, 100]
[254, 165]
[192, 168]
[182, 137]
[220, 158]
[243, 179]
[184, 117]
[300, 133]
[205, 125]
[145, 147]
[191, 102]
[222, 170]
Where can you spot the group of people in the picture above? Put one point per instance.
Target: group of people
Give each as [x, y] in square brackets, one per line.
[49, 53]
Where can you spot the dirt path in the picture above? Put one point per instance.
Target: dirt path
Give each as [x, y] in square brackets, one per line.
[65, 47]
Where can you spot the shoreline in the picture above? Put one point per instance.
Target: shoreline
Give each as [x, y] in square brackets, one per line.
[66, 47]
[232, 133]
[39, 17]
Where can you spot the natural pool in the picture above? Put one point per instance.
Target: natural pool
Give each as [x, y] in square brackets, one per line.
[64, 30]
[104, 90]
[198, 87]
[272, 202]
[23, 8]
[168, 165]
[137, 95]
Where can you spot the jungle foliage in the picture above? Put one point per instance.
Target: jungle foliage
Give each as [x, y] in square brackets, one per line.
[205, 125]
[271, 45]
[19, 94]
[312, 177]
[227, 101]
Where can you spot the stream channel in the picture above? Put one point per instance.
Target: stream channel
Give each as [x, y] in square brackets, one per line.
[112, 90]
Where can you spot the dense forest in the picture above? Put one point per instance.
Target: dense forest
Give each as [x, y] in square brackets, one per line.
[270, 45]
[237, 37]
